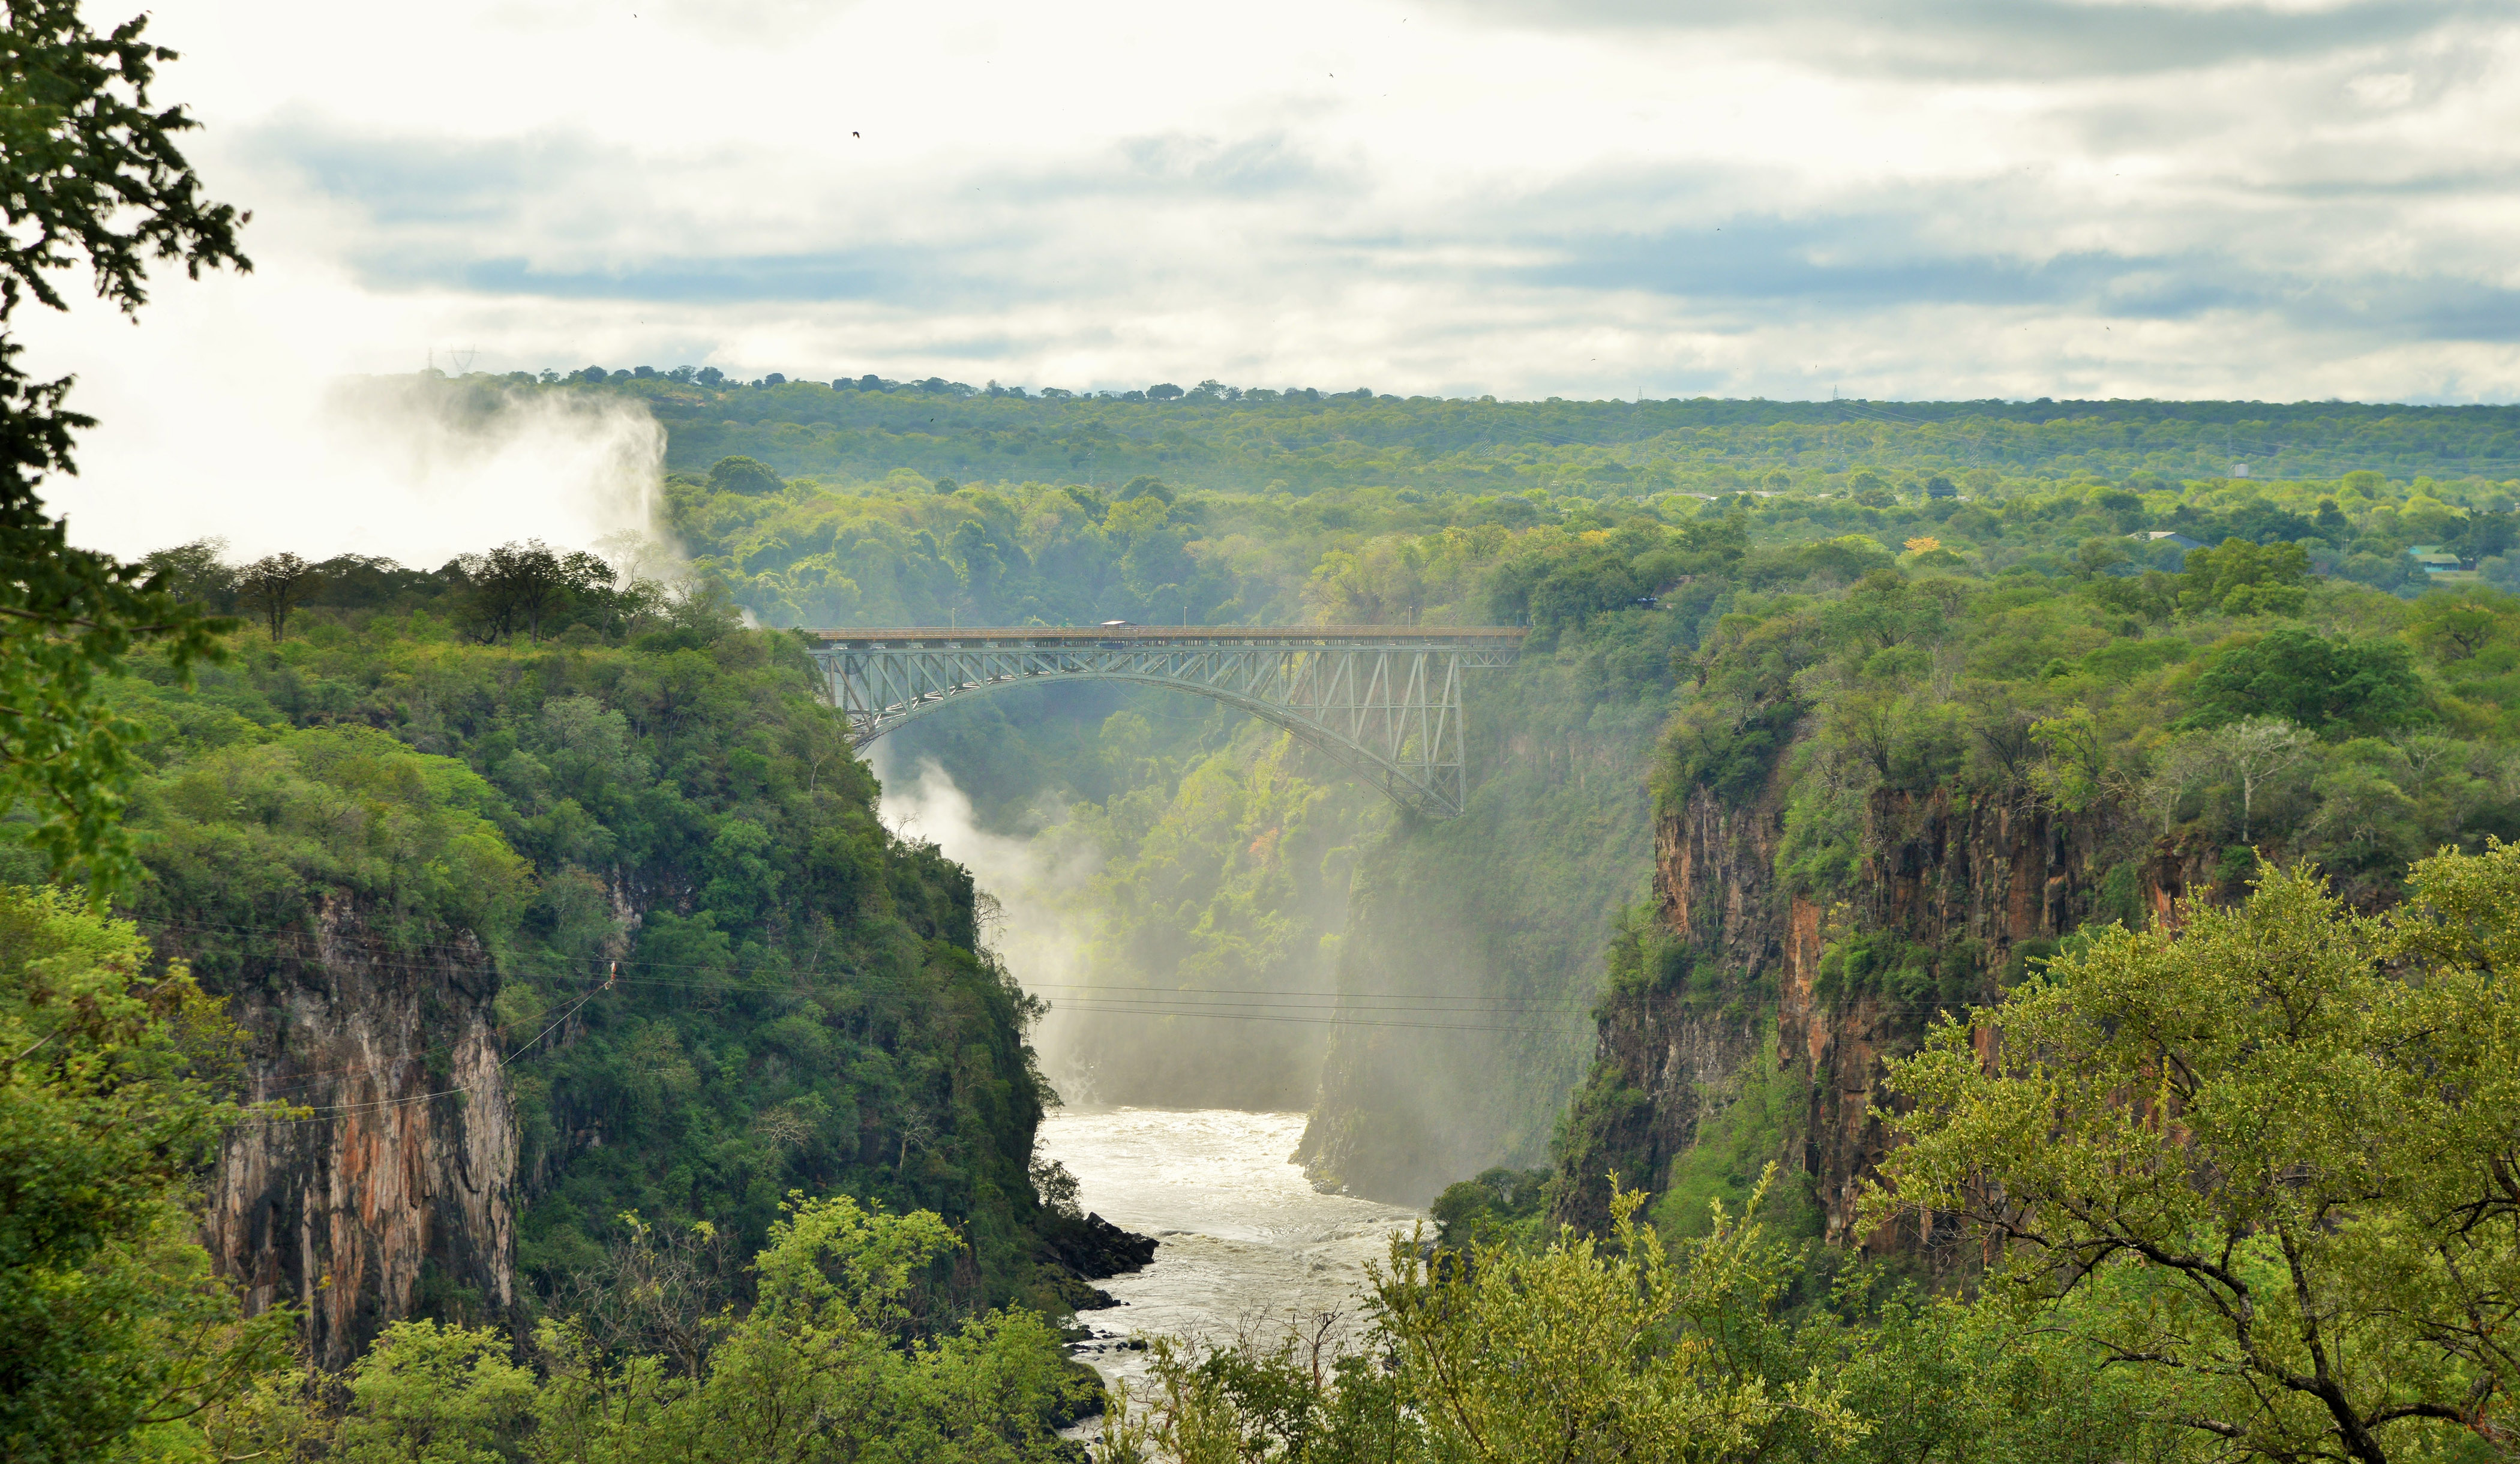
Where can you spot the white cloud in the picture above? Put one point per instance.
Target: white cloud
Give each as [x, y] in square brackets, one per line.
[1952, 197]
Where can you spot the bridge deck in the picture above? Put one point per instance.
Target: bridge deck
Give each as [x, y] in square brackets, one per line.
[1179, 635]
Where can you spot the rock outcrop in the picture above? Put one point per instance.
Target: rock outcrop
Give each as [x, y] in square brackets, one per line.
[397, 1185]
[1963, 890]
[1080, 1250]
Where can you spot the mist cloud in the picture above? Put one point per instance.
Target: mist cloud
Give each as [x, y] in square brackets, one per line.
[1037, 883]
[401, 467]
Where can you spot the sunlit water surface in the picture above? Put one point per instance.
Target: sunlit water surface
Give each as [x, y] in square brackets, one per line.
[1245, 1240]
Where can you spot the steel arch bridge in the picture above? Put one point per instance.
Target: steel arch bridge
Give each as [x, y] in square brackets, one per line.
[1384, 702]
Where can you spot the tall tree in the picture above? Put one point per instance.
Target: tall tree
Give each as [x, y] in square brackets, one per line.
[2257, 749]
[2269, 1160]
[520, 585]
[89, 173]
[274, 585]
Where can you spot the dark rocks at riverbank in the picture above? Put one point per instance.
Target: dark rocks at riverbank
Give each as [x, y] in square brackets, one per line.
[1094, 1248]
[1080, 1395]
[1087, 1249]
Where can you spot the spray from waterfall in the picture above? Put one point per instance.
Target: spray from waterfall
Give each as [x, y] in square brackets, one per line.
[416, 469]
[1032, 886]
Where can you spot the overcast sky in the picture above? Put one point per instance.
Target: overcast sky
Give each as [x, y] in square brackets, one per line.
[1936, 198]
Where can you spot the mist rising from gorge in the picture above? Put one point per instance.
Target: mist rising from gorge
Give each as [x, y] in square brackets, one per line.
[415, 469]
[1164, 991]
[1037, 884]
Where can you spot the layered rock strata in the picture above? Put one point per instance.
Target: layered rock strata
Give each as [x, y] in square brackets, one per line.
[1976, 881]
[397, 1180]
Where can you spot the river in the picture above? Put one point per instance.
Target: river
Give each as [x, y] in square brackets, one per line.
[1244, 1239]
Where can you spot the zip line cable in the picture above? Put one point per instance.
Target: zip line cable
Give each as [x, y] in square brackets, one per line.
[1230, 1016]
[1247, 991]
[1154, 1002]
[1311, 1000]
[511, 1058]
[392, 963]
[1405, 1010]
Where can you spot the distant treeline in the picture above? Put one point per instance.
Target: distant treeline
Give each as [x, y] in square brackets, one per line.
[909, 551]
[1302, 440]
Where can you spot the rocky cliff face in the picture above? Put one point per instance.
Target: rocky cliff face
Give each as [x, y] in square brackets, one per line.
[398, 1183]
[1954, 895]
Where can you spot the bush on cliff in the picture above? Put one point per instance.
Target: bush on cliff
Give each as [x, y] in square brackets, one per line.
[815, 1368]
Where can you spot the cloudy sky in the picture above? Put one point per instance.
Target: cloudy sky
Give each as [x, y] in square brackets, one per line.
[1929, 199]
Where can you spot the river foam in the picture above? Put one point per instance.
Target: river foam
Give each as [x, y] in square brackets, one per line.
[1247, 1244]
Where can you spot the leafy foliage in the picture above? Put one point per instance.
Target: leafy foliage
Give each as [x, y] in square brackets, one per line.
[2313, 682]
[112, 1326]
[1640, 1346]
[92, 173]
[813, 1369]
[2252, 1158]
[2309, 737]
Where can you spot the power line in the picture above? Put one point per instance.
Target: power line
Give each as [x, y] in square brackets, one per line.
[1134, 992]
[1227, 1016]
[1230, 991]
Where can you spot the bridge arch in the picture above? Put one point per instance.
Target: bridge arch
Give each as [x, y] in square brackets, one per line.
[1384, 702]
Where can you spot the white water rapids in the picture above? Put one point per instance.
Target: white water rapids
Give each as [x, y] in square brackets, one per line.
[1244, 1240]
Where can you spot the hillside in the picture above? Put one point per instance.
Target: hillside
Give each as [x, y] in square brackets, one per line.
[547, 933]
[1222, 856]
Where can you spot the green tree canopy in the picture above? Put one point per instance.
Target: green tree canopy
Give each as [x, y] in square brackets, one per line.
[741, 474]
[2267, 1157]
[2314, 681]
[110, 1322]
[816, 1369]
[91, 172]
[2240, 578]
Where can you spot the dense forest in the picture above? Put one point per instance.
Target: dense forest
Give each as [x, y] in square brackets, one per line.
[1225, 859]
[2190, 680]
[1250, 440]
[2034, 874]
[720, 984]
[659, 834]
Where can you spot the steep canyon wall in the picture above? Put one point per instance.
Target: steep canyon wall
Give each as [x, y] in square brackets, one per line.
[399, 1181]
[1954, 896]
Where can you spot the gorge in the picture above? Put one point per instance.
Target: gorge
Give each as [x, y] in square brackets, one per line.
[555, 937]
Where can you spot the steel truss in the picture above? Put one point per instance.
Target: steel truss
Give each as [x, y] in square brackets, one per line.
[1386, 703]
